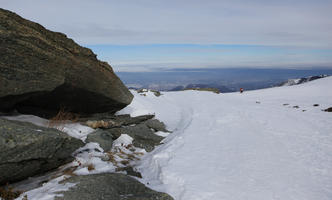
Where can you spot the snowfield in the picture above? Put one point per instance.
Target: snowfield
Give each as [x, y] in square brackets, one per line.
[270, 144]
[260, 145]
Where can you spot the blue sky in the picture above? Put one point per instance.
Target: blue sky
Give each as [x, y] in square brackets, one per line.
[145, 35]
[162, 56]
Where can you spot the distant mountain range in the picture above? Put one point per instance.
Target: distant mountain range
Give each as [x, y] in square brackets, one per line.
[302, 80]
[170, 87]
[221, 88]
[225, 80]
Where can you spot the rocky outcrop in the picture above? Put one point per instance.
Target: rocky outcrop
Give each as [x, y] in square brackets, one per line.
[141, 128]
[28, 150]
[143, 136]
[42, 71]
[328, 109]
[109, 186]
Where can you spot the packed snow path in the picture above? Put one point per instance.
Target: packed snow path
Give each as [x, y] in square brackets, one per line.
[242, 146]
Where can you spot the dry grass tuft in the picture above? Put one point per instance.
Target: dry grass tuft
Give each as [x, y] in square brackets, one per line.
[59, 120]
[119, 169]
[124, 162]
[132, 157]
[70, 171]
[111, 158]
[91, 167]
[8, 193]
[97, 124]
[102, 124]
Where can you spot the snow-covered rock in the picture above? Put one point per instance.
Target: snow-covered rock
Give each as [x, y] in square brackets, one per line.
[291, 82]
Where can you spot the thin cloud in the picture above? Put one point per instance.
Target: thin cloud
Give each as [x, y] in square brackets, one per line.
[192, 33]
[284, 22]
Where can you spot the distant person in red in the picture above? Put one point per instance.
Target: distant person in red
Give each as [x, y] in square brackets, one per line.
[241, 90]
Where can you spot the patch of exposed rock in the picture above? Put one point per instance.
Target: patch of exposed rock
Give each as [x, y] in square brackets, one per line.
[109, 186]
[143, 136]
[107, 120]
[102, 137]
[156, 125]
[28, 150]
[141, 128]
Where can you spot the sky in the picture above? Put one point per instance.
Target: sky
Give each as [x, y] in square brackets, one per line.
[147, 35]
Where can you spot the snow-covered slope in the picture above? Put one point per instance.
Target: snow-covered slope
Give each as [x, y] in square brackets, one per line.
[291, 82]
[259, 145]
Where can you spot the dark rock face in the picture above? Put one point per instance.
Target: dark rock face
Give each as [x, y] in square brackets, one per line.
[28, 150]
[328, 109]
[110, 186]
[42, 71]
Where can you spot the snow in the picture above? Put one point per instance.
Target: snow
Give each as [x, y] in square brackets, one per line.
[291, 82]
[124, 139]
[253, 146]
[93, 155]
[260, 145]
[162, 134]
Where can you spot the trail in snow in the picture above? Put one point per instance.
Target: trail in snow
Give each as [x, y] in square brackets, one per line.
[178, 119]
[242, 146]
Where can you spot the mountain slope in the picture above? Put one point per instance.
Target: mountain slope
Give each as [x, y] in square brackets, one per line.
[263, 144]
[298, 81]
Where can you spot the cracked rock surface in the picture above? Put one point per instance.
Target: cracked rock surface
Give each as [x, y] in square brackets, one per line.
[111, 186]
[28, 150]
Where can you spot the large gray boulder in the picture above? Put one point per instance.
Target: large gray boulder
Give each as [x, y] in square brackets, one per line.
[42, 71]
[111, 187]
[27, 150]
